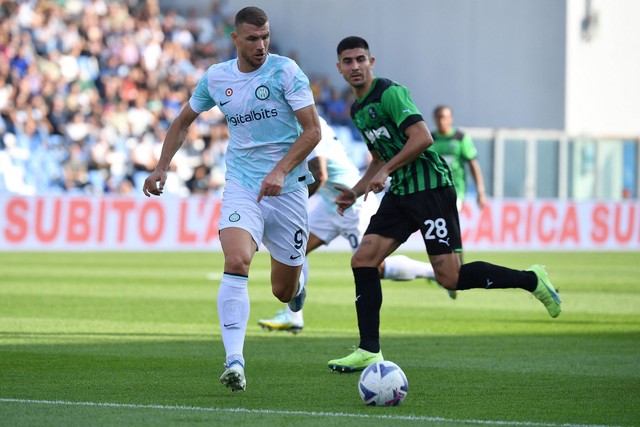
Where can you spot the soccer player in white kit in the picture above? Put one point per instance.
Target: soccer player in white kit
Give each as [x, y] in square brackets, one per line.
[273, 127]
[331, 167]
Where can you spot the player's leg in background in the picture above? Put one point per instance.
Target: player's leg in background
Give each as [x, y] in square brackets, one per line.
[287, 319]
[286, 237]
[401, 267]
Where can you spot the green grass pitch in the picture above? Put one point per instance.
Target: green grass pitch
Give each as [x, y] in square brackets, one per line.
[133, 339]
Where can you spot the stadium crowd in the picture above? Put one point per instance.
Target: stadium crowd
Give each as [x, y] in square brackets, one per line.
[89, 87]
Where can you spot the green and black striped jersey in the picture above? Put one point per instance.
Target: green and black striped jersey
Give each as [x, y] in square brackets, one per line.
[382, 116]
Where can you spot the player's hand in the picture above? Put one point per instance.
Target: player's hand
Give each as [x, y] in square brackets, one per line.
[154, 184]
[378, 183]
[376, 186]
[272, 185]
[482, 200]
[345, 199]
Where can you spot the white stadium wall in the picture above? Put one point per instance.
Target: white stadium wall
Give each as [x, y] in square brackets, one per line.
[603, 68]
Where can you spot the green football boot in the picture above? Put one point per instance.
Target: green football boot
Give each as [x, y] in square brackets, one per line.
[545, 292]
[356, 361]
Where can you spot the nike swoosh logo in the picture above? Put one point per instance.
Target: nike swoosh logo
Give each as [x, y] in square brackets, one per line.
[295, 257]
[225, 103]
[226, 325]
[358, 297]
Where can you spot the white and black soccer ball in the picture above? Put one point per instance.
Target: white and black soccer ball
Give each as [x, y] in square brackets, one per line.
[383, 384]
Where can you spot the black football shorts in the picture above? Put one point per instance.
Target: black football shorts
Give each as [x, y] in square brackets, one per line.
[433, 212]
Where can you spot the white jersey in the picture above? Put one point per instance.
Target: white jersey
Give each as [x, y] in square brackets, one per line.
[324, 220]
[340, 169]
[259, 108]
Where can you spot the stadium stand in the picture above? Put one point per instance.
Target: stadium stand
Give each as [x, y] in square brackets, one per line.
[88, 88]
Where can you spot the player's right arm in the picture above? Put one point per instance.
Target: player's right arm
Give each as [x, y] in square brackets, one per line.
[173, 140]
[299, 151]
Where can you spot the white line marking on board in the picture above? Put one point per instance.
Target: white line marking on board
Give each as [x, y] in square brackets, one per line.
[308, 413]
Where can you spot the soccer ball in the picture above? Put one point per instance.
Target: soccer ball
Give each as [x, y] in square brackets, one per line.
[383, 384]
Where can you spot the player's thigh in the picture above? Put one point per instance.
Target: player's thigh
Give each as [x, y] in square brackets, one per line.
[392, 219]
[238, 248]
[240, 209]
[286, 228]
[437, 217]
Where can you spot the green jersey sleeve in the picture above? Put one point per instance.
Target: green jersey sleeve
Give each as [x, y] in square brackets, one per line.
[468, 150]
[400, 107]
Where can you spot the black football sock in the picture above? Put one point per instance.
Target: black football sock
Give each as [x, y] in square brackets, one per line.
[481, 274]
[368, 303]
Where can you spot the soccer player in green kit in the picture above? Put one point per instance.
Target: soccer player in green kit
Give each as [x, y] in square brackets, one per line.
[421, 197]
[457, 149]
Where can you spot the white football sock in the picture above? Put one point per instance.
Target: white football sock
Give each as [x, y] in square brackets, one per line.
[296, 316]
[233, 312]
[401, 267]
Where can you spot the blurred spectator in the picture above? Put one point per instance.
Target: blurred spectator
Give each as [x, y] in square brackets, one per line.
[337, 110]
[88, 88]
[200, 181]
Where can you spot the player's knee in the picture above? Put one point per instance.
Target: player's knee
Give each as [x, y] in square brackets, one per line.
[448, 280]
[359, 260]
[236, 264]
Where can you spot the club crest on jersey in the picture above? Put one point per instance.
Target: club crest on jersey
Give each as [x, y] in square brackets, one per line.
[373, 113]
[234, 217]
[262, 92]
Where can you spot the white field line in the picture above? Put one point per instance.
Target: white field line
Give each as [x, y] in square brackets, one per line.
[297, 413]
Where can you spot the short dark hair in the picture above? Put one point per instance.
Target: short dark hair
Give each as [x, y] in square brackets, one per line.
[352, 42]
[251, 15]
[441, 107]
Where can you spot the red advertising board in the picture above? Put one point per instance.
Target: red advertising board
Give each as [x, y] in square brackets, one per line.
[139, 223]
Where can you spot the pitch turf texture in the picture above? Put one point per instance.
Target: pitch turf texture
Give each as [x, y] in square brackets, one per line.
[133, 339]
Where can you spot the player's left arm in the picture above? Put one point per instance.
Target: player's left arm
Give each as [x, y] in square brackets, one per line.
[418, 140]
[400, 106]
[301, 148]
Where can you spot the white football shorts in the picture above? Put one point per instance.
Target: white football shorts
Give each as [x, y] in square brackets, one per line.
[279, 222]
[326, 223]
